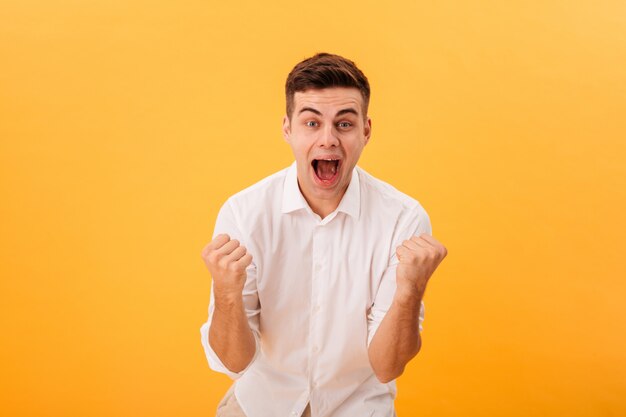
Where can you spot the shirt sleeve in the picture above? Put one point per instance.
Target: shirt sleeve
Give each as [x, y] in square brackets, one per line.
[418, 223]
[226, 223]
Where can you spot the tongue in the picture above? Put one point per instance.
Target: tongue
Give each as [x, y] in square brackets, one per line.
[326, 169]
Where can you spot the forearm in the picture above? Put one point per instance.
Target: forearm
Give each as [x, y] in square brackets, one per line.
[397, 339]
[230, 335]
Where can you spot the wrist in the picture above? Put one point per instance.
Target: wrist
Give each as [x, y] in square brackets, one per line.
[408, 296]
[228, 301]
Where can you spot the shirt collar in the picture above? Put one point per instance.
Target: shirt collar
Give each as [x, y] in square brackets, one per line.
[292, 197]
[351, 201]
[294, 200]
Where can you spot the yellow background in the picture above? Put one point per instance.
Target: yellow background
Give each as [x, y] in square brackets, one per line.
[124, 125]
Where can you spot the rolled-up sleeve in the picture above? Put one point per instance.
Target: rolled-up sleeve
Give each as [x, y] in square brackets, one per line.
[419, 223]
[226, 223]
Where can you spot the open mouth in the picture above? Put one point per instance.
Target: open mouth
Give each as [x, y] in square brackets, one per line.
[326, 170]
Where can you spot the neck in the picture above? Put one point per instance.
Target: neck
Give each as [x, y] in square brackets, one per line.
[322, 207]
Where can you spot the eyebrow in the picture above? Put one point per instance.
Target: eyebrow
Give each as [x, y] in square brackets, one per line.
[339, 113]
[348, 110]
[311, 109]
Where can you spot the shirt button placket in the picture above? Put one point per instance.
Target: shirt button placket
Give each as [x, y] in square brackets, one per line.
[319, 282]
[318, 250]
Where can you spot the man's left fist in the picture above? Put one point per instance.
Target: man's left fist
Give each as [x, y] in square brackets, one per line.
[419, 257]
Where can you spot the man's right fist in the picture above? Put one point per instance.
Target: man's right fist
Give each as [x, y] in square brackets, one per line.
[226, 260]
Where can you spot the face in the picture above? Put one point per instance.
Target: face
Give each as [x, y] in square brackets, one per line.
[327, 132]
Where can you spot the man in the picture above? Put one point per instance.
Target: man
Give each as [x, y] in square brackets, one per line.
[318, 270]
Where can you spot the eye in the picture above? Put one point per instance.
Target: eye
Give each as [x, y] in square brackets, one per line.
[344, 125]
[311, 123]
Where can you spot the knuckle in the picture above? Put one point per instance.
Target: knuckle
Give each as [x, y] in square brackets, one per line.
[212, 257]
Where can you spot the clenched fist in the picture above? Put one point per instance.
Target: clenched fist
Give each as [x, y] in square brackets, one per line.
[226, 260]
[419, 257]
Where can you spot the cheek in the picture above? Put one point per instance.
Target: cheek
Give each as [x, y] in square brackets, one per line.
[300, 149]
[355, 147]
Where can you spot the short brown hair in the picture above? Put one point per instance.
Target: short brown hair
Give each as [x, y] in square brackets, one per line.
[325, 70]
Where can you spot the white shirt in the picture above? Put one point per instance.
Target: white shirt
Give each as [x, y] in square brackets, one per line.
[315, 293]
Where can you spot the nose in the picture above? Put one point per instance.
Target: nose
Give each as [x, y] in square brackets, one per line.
[328, 137]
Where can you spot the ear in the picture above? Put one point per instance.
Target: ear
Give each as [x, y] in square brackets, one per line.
[286, 128]
[367, 129]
